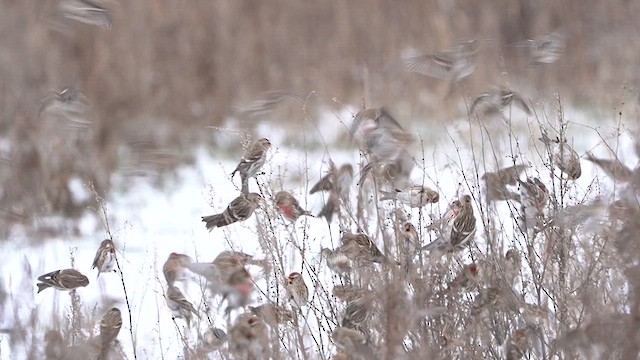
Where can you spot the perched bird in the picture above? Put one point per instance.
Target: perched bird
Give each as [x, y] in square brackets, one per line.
[252, 162]
[360, 247]
[358, 311]
[385, 143]
[272, 314]
[180, 307]
[486, 298]
[353, 343]
[452, 65]
[237, 290]
[462, 230]
[213, 339]
[240, 209]
[249, 338]
[533, 199]
[408, 233]
[337, 262]
[468, 278]
[612, 167]
[496, 183]
[298, 291]
[415, 196]
[67, 279]
[109, 329]
[289, 207]
[495, 99]
[512, 265]
[174, 269]
[518, 344]
[105, 258]
[443, 225]
[563, 156]
[546, 49]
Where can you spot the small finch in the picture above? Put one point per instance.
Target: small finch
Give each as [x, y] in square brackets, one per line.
[330, 207]
[338, 181]
[213, 339]
[360, 247]
[272, 314]
[452, 65]
[464, 226]
[337, 262]
[518, 344]
[494, 100]
[298, 291]
[512, 264]
[237, 289]
[240, 209]
[221, 269]
[353, 343]
[409, 233]
[105, 258]
[485, 299]
[289, 207]
[545, 49]
[180, 307]
[109, 329]
[67, 279]
[249, 338]
[563, 156]
[443, 225]
[533, 199]
[496, 183]
[467, 279]
[252, 162]
[358, 311]
[415, 196]
[613, 167]
[174, 269]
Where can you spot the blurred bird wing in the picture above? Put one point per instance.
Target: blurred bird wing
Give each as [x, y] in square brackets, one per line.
[434, 65]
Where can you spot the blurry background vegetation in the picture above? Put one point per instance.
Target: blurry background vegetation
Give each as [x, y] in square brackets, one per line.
[166, 70]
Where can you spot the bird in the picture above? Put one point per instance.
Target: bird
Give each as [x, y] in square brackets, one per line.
[443, 225]
[338, 180]
[352, 343]
[492, 101]
[534, 197]
[563, 156]
[252, 162]
[337, 261]
[496, 183]
[408, 233]
[512, 264]
[249, 338]
[180, 307]
[452, 65]
[546, 49]
[358, 311]
[331, 205]
[109, 329]
[486, 298]
[415, 196]
[64, 280]
[298, 290]
[463, 229]
[359, 246]
[468, 278]
[289, 207]
[213, 339]
[240, 209]
[612, 167]
[518, 344]
[273, 314]
[174, 268]
[105, 258]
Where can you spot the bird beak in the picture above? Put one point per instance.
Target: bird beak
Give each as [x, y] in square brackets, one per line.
[289, 280]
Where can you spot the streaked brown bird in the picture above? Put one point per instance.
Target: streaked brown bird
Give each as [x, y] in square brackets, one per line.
[249, 338]
[213, 339]
[179, 306]
[64, 280]
[496, 183]
[518, 344]
[109, 329]
[468, 278]
[353, 343]
[360, 247]
[272, 314]
[337, 180]
[616, 170]
[512, 265]
[337, 262]
[331, 206]
[289, 207]
[494, 100]
[358, 311]
[105, 259]
[298, 290]
[443, 225]
[462, 231]
[534, 197]
[563, 156]
[415, 196]
[240, 209]
[252, 162]
[174, 268]
[408, 233]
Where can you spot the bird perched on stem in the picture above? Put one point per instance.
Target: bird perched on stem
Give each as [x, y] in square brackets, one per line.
[109, 329]
[64, 280]
[289, 207]
[462, 230]
[180, 307]
[240, 209]
[105, 258]
[563, 156]
[337, 261]
[249, 338]
[174, 269]
[360, 247]
[415, 196]
[496, 183]
[533, 199]
[252, 162]
[298, 291]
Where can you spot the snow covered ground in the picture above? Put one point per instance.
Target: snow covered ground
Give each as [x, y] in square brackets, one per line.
[148, 224]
